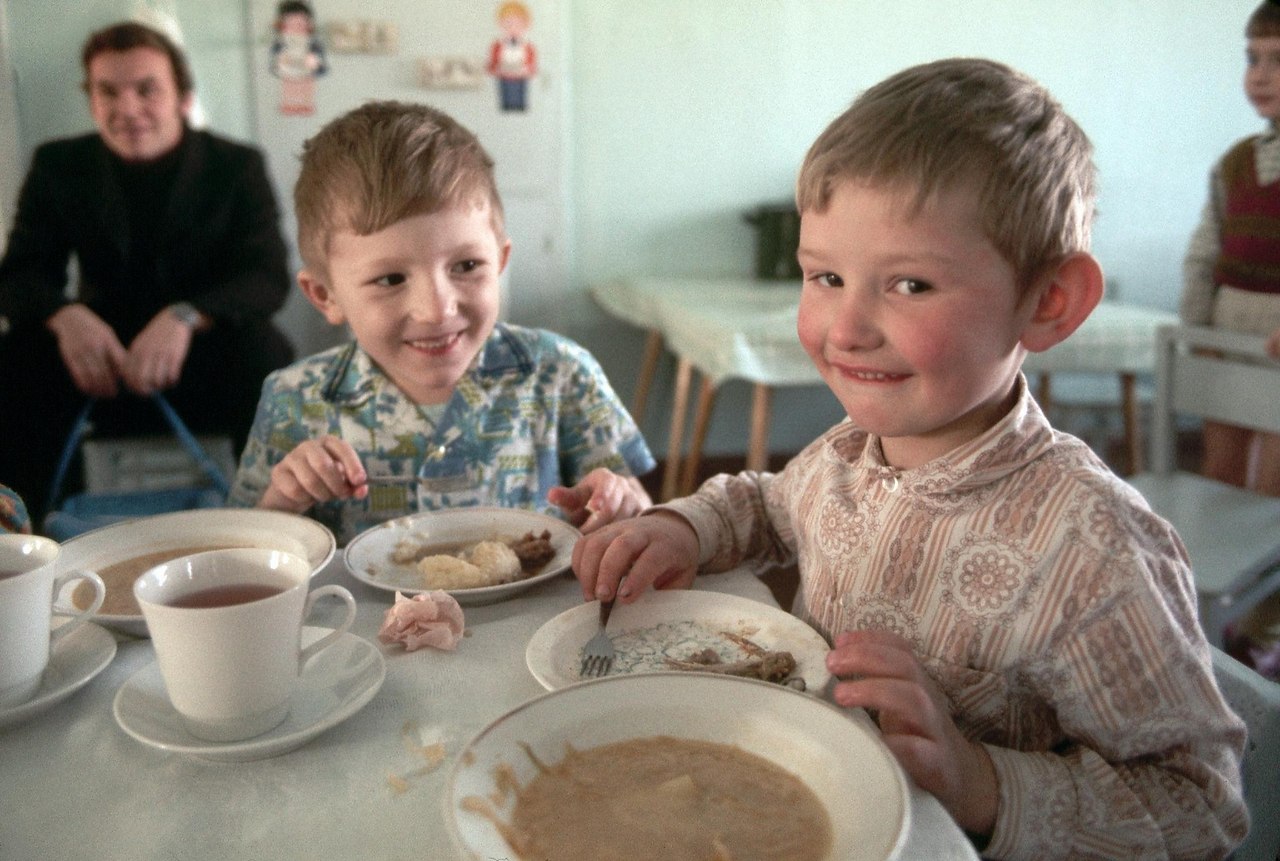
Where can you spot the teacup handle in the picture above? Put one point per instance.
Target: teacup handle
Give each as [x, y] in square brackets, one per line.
[328, 639]
[78, 617]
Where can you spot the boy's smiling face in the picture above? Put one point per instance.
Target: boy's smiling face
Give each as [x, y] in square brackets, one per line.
[420, 296]
[914, 321]
[1262, 76]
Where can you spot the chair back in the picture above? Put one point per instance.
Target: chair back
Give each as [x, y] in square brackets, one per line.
[1257, 701]
[1212, 374]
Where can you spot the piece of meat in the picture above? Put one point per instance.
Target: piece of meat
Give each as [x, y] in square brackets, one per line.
[534, 551]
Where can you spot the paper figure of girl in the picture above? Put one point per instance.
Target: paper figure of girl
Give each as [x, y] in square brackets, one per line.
[297, 57]
[512, 59]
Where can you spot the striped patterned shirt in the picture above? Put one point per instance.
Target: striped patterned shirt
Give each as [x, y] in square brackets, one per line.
[1199, 285]
[1054, 610]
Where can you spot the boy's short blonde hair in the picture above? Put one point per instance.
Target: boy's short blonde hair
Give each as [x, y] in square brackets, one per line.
[968, 123]
[384, 162]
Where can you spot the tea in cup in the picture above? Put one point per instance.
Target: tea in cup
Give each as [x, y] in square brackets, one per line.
[227, 629]
[29, 586]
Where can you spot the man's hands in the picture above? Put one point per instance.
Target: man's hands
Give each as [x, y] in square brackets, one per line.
[99, 363]
[91, 351]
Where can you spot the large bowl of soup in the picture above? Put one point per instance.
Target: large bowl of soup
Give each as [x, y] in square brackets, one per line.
[121, 552]
[677, 765]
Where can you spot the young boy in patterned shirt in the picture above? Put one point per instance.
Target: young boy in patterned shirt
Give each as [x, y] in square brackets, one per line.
[400, 228]
[1021, 623]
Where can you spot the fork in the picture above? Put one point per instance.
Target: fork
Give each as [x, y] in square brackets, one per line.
[597, 654]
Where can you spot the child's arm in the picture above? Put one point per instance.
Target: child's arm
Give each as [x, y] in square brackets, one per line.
[601, 498]
[1273, 344]
[316, 470]
[880, 672]
[660, 550]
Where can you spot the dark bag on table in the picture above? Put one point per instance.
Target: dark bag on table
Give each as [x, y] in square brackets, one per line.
[82, 512]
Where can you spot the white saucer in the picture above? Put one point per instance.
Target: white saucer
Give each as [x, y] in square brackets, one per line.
[334, 685]
[76, 659]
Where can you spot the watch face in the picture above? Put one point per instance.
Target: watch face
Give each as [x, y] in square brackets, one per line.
[186, 312]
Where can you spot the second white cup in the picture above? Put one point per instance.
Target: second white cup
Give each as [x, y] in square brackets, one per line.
[30, 582]
[227, 629]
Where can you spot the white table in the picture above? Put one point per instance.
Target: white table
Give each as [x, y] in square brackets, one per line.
[74, 786]
[746, 329]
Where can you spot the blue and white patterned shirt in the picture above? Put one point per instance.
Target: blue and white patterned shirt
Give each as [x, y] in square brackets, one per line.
[534, 411]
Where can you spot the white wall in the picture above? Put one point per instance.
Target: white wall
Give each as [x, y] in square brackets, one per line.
[683, 114]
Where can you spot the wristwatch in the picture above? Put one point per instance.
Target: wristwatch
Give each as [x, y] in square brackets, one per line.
[186, 313]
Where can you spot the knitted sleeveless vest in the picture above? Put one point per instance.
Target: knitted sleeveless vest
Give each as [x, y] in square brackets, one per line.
[1250, 239]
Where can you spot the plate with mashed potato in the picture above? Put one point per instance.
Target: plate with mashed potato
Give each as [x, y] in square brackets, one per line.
[477, 555]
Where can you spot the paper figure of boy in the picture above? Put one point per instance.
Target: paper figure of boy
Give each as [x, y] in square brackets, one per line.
[297, 57]
[512, 59]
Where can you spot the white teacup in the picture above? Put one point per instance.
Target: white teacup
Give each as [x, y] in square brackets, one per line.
[227, 630]
[29, 583]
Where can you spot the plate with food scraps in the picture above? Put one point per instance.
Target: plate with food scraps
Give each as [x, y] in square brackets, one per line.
[477, 555]
[121, 552]
[693, 630]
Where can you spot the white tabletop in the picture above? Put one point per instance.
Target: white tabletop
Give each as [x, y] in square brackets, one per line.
[746, 329]
[75, 786]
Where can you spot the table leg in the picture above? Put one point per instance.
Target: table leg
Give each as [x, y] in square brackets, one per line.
[758, 450]
[1132, 433]
[701, 419]
[648, 367]
[671, 471]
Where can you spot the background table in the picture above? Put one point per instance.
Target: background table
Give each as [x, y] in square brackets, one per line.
[746, 329]
[75, 786]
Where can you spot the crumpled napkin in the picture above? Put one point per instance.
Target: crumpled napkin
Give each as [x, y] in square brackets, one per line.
[429, 619]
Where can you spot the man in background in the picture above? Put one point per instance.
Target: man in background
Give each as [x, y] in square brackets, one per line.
[175, 233]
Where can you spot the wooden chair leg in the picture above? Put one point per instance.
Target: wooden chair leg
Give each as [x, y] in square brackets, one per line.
[1132, 429]
[679, 406]
[758, 450]
[1044, 393]
[701, 420]
[648, 368]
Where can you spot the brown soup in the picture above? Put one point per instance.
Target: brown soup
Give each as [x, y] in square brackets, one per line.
[119, 576]
[662, 797]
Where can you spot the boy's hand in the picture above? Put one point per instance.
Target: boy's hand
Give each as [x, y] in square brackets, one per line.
[881, 673]
[315, 471]
[659, 550]
[600, 498]
[1273, 344]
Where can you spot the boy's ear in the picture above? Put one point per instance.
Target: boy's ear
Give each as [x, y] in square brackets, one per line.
[1071, 293]
[504, 255]
[318, 294]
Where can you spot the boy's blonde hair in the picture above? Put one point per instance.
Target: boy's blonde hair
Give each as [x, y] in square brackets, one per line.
[968, 123]
[384, 162]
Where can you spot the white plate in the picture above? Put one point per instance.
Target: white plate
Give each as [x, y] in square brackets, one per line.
[334, 685]
[75, 660]
[368, 556]
[238, 527]
[840, 757]
[674, 624]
